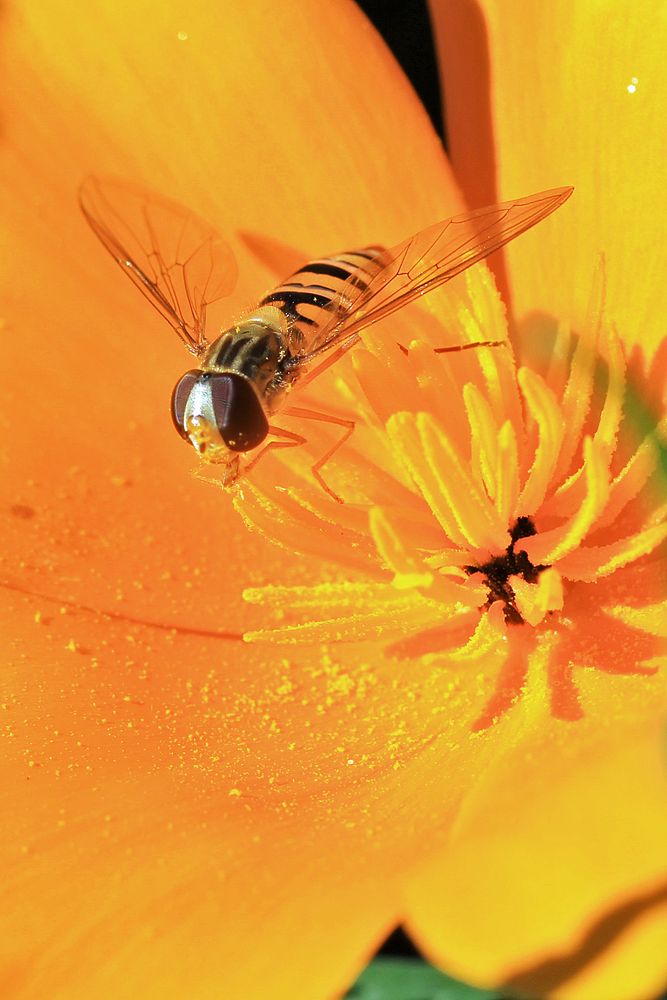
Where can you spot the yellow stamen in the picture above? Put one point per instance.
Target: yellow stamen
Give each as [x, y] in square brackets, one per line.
[634, 475]
[612, 410]
[549, 546]
[344, 612]
[484, 437]
[408, 572]
[507, 473]
[476, 518]
[591, 563]
[544, 407]
[651, 619]
[579, 389]
[285, 519]
[535, 600]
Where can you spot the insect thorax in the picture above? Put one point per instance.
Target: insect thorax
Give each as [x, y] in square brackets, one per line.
[254, 348]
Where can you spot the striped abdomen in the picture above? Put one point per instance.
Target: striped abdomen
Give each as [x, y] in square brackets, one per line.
[315, 293]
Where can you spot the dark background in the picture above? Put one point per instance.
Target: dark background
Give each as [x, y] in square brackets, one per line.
[406, 28]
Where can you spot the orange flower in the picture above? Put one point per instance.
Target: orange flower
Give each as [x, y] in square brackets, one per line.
[189, 815]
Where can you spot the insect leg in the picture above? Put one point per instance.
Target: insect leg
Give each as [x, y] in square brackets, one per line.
[349, 425]
[460, 347]
[469, 347]
[293, 441]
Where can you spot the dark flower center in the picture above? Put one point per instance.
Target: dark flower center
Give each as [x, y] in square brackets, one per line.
[497, 571]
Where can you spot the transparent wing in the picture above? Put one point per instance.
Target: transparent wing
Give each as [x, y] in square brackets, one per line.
[173, 257]
[429, 259]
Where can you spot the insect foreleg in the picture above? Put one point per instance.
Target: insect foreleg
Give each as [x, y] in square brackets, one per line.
[349, 425]
[292, 441]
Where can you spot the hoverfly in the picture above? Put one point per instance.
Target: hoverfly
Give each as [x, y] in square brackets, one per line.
[224, 407]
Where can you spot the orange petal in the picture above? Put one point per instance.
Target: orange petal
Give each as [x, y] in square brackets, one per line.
[556, 880]
[177, 816]
[156, 814]
[567, 93]
[158, 837]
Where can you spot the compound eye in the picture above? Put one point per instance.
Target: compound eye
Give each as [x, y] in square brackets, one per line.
[238, 412]
[179, 400]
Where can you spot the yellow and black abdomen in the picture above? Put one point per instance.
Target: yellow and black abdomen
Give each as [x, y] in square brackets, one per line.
[322, 290]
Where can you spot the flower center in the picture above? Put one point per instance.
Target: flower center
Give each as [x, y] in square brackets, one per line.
[497, 572]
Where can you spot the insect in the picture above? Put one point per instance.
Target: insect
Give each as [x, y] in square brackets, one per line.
[225, 407]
